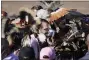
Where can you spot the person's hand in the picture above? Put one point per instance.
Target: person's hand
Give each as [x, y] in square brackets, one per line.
[16, 52]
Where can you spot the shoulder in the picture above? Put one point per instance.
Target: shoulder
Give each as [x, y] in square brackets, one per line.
[11, 57]
[86, 57]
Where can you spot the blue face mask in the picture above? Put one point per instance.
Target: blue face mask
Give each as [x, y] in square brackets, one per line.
[51, 33]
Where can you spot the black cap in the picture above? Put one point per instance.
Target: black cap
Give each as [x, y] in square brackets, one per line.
[26, 53]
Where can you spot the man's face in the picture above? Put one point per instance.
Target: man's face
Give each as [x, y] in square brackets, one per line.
[45, 27]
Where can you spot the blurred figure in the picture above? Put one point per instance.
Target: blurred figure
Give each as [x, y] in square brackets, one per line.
[45, 29]
[12, 56]
[24, 19]
[4, 48]
[14, 40]
[4, 19]
[27, 53]
[44, 26]
[31, 41]
[86, 57]
[40, 12]
[47, 53]
[28, 11]
[24, 53]
[4, 14]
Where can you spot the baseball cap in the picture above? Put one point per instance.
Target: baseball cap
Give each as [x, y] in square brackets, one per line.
[26, 53]
[47, 52]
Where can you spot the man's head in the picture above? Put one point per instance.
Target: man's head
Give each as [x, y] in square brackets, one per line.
[3, 14]
[26, 53]
[44, 26]
[26, 18]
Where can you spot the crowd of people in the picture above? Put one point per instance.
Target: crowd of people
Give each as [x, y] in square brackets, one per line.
[29, 36]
